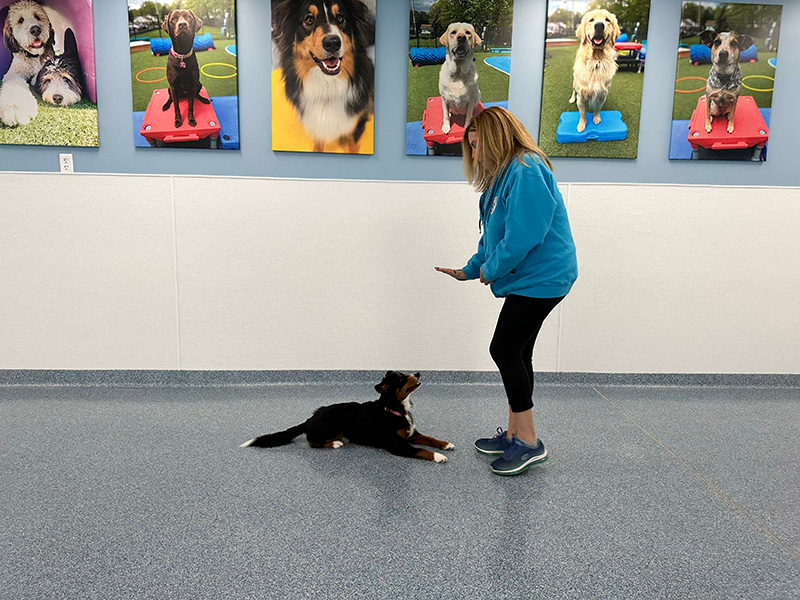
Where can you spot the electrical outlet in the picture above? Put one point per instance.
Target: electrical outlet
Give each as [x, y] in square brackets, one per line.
[65, 160]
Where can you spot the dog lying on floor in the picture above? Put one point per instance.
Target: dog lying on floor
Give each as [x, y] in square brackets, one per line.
[383, 423]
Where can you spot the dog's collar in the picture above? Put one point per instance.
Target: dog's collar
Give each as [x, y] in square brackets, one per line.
[181, 57]
[394, 412]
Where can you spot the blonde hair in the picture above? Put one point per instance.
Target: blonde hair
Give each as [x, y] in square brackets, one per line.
[500, 137]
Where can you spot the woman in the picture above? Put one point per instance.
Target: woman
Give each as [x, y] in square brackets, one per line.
[527, 255]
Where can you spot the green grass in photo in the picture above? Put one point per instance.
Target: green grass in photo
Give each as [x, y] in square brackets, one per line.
[625, 95]
[74, 125]
[144, 59]
[423, 83]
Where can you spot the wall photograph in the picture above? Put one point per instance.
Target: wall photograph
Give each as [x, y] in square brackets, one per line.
[323, 75]
[595, 53]
[48, 92]
[459, 63]
[184, 73]
[727, 64]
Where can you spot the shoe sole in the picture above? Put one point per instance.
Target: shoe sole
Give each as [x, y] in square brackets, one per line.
[534, 461]
[489, 452]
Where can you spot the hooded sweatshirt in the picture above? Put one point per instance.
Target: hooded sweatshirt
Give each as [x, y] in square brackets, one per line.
[526, 247]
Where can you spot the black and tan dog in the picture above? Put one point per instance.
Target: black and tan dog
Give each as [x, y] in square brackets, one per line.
[383, 423]
[724, 81]
[327, 73]
[183, 73]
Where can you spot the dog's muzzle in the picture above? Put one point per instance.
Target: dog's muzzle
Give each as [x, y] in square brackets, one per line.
[330, 66]
[599, 36]
[461, 49]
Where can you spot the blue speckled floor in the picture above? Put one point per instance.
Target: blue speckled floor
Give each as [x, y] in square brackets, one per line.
[650, 492]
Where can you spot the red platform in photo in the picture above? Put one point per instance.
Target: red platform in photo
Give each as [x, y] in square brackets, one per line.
[159, 124]
[627, 46]
[750, 129]
[432, 123]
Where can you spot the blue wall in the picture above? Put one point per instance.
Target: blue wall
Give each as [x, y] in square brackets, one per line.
[117, 154]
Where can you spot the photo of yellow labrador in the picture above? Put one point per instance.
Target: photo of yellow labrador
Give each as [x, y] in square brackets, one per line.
[594, 66]
[458, 77]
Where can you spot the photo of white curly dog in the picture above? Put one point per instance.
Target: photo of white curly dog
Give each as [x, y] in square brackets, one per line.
[27, 33]
[48, 87]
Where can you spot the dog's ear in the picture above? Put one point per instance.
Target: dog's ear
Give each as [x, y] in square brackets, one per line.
[615, 30]
[280, 18]
[165, 24]
[745, 41]
[443, 39]
[580, 32]
[707, 37]
[476, 40]
[9, 39]
[197, 22]
[51, 41]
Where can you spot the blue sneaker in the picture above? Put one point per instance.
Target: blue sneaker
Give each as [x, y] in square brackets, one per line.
[518, 457]
[495, 445]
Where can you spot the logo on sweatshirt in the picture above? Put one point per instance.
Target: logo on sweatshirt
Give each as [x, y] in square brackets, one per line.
[494, 205]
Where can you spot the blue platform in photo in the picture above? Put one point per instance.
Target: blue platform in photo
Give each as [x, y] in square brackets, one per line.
[501, 63]
[610, 129]
[227, 109]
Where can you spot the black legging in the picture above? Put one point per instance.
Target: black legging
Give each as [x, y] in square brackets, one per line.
[512, 345]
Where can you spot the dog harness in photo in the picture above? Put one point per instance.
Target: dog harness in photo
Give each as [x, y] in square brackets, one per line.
[719, 81]
[181, 57]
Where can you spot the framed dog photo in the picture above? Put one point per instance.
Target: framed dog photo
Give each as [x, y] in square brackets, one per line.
[323, 76]
[594, 64]
[459, 63]
[184, 74]
[727, 60]
[48, 91]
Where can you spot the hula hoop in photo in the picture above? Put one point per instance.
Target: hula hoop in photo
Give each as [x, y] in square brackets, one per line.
[677, 91]
[154, 80]
[202, 70]
[752, 89]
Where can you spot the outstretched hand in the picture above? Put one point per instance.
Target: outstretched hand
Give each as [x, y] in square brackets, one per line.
[454, 273]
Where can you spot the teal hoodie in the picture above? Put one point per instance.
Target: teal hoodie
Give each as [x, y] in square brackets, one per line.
[526, 247]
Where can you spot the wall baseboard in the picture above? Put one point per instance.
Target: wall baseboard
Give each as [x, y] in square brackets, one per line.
[175, 378]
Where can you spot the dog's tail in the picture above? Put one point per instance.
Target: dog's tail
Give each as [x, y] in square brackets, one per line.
[276, 439]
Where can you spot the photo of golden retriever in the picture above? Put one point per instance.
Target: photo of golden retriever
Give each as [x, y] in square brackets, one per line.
[594, 66]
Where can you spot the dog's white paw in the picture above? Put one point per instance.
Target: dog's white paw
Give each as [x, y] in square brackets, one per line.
[596, 119]
[17, 105]
[439, 457]
[581, 126]
[730, 128]
[337, 444]
[446, 128]
[449, 446]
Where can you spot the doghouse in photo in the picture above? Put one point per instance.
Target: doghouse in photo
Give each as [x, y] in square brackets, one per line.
[594, 63]
[48, 87]
[727, 65]
[184, 74]
[457, 66]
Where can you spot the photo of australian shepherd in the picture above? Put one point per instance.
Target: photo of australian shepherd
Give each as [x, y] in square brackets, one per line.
[327, 73]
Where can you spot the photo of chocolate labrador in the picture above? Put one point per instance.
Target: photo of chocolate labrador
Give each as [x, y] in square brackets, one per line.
[183, 72]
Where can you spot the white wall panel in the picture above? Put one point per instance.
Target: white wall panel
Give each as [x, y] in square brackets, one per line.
[87, 272]
[96, 272]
